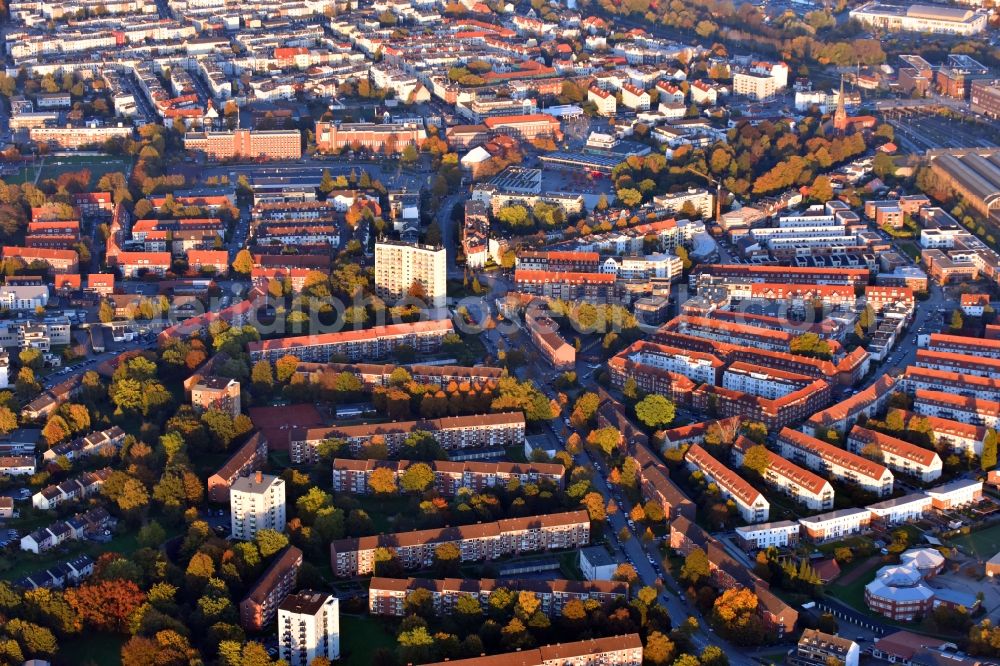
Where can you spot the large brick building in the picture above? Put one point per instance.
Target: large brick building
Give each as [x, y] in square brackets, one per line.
[245, 144]
[260, 606]
[355, 345]
[624, 650]
[248, 458]
[386, 138]
[59, 261]
[482, 541]
[387, 596]
[451, 432]
[351, 476]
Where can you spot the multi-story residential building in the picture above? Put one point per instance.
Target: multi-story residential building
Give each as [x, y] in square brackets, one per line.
[71, 138]
[763, 381]
[245, 144]
[798, 483]
[836, 524]
[351, 476]
[407, 270]
[754, 86]
[257, 503]
[644, 357]
[598, 288]
[559, 261]
[512, 536]
[387, 596]
[897, 455]
[816, 648]
[961, 438]
[775, 414]
[635, 98]
[250, 457]
[984, 388]
[780, 534]
[905, 509]
[856, 277]
[24, 298]
[604, 100]
[219, 393]
[260, 606]
[967, 364]
[356, 345]
[545, 335]
[452, 433]
[624, 650]
[751, 504]
[835, 462]
[971, 411]
[59, 261]
[309, 627]
[844, 414]
[133, 264]
[960, 344]
[956, 494]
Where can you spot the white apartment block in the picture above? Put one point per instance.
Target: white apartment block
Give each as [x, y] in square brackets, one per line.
[20, 298]
[697, 366]
[702, 200]
[257, 503]
[308, 627]
[635, 98]
[901, 509]
[661, 266]
[832, 461]
[836, 524]
[778, 534]
[754, 86]
[400, 266]
[896, 454]
[751, 504]
[956, 494]
[759, 381]
[605, 101]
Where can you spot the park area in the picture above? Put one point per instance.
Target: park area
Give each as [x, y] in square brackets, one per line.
[53, 166]
[981, 544]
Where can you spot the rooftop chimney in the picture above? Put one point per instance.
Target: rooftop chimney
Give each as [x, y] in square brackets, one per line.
[260, 476]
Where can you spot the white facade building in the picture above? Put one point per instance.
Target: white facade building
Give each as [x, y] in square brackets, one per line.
[778, 534]
[257, 503]
[308, 627]
[400, 266]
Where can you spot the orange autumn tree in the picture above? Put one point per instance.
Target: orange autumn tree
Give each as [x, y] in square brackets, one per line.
[106, 605]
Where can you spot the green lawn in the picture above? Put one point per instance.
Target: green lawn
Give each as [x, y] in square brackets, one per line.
[97, 164]
[984, 544]
[381, 509]
[99, 649]
[852, 593]
[360, 637]
[910, 248]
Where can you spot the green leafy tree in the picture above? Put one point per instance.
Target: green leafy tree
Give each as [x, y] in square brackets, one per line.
[695, 567]
[655, 411]
[270, 542]
[988, 459]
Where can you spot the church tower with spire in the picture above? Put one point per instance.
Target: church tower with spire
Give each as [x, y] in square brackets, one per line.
[840, 115]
